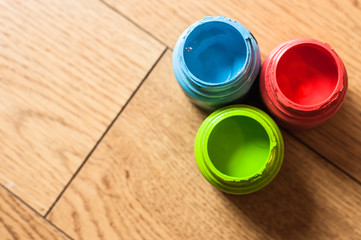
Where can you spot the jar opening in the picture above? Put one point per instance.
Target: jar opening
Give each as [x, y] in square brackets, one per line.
[215, 52]
[239, 146]
[307, 74]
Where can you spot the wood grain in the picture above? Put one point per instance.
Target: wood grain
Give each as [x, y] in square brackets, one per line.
[142, 182]
[19, 222]
[273, 22]
[66, 69]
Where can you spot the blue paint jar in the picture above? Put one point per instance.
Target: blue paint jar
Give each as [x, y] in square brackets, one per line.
[215, 61]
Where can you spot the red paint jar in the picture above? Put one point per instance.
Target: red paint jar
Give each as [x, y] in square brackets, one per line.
[303, 83]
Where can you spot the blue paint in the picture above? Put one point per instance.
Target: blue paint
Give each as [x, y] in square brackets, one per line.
[216, 61]
[215, 52]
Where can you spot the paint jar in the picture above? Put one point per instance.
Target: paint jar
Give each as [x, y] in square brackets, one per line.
[303, 83]
[239, 149]
[216, 61]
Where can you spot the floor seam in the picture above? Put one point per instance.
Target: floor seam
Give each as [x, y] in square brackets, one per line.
[33, 210]
[134, 23]
[325, 158]
[105, 132]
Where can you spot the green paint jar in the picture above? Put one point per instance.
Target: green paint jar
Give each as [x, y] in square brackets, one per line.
[239, 149]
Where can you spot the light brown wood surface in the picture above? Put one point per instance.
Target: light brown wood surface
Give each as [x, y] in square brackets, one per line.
[273, 22]
[143, 182]
[66, 69]
[18, 222]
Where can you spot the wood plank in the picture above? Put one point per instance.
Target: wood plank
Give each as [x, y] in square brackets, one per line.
[142, 182]
[66, 69]
[19, 222]
[273, 22]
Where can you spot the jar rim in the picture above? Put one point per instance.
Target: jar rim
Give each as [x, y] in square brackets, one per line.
[322, 47]
[234, 184]
[219, 19]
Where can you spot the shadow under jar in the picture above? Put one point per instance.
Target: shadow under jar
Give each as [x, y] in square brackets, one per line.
[303, 83]
[215, 61]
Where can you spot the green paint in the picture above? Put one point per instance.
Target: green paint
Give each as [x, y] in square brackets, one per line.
[243, 142]
[239, 149]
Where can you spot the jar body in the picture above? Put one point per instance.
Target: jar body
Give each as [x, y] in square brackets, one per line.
[303, 91]
[215, 61]
[239, 149]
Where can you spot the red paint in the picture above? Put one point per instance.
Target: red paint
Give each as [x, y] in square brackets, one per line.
[303, 83]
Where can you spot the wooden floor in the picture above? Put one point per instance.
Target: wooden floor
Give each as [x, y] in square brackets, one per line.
[96, 137]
